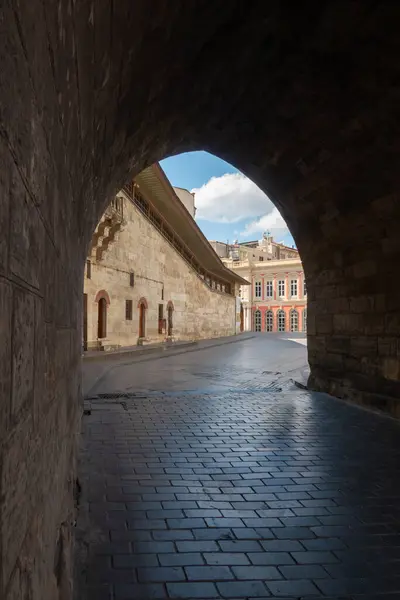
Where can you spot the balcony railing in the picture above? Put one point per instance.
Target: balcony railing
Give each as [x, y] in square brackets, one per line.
[162, 227]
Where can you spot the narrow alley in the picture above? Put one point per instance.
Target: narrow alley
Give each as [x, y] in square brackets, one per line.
[210, 474]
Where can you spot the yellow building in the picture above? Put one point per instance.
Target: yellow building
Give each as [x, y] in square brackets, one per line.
[276, 299]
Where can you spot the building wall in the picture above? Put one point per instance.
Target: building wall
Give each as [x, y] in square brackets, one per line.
[276, 302]
[272, 271]
[187, 199]
[160, 276]
[220, 248]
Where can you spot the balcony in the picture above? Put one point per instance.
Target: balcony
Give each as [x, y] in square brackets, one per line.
[108, 228]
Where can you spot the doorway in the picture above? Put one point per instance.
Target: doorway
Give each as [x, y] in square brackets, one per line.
[170, 310]
[102, 319]
[85, 323]
[142, 320]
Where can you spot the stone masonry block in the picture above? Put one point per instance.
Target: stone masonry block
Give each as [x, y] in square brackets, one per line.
[5, 168]
[391, 368]
[348, 323]
[364, 346]
[324, 324]
[366, 268]
[5, 353]
[15, 508]
[387, 346]
[22, 349]
[27, 235]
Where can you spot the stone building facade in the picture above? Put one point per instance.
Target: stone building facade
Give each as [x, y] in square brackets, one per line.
[276, 300]
[144, 283]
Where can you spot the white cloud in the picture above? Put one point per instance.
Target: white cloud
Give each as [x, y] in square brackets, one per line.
[230, 198]
[272, 222]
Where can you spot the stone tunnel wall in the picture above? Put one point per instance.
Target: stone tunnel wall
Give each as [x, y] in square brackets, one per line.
[91, 93]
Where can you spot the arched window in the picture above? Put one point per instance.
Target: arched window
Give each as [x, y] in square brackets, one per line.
[142, 306]
[294, 320]
[257, 320]
[269, 321]
[281, 317]
[170, 312]
[305, 320]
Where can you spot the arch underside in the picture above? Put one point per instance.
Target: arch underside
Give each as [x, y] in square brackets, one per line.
[304, 99]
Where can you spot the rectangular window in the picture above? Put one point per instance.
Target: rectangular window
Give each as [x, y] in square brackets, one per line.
[261, 258]
[293, 288]
[258, 289]
[88, 269]
[128, 310]
[268, 289]
[131, 279]
[304, 288]
[281, 288]
[162, 293]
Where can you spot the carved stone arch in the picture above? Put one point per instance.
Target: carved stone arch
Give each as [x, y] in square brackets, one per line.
[143, 302]
[103, 294]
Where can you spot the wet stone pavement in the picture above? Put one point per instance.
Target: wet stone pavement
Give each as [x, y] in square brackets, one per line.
[241, 486]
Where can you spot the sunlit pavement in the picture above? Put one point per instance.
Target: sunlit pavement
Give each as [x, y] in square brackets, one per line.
[211, 475]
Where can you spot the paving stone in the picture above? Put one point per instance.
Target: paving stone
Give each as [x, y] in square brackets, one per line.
[236, 589]
[215, 533]
[292, 533]
[240, 546]
[153, 547]
[160, 574]
[256, 572]
[226, 499]
[185, 523]
[173, 534]
[181, 559]
[295, 587]
[270, 558]
[189, 590]
[226, 558]
[303, 572]
[197, 546]
[309, 558]
[208, 573]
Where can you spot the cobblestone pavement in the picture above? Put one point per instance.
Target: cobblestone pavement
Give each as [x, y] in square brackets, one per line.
[220, 480]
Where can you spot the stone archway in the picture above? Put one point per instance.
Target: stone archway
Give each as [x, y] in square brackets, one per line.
[308, 109]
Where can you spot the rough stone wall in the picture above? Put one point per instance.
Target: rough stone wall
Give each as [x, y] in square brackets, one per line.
[198, 311]
[93, 92]
[40, 303]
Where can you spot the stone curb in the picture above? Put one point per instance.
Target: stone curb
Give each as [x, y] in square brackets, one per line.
[118, 354]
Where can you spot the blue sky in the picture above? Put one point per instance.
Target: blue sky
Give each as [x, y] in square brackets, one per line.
[229, 205]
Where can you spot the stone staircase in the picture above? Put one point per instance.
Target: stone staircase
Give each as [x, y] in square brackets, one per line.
[108, 228]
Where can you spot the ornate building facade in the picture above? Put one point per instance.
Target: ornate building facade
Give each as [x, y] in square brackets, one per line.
[151, 278]
[276, 300]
